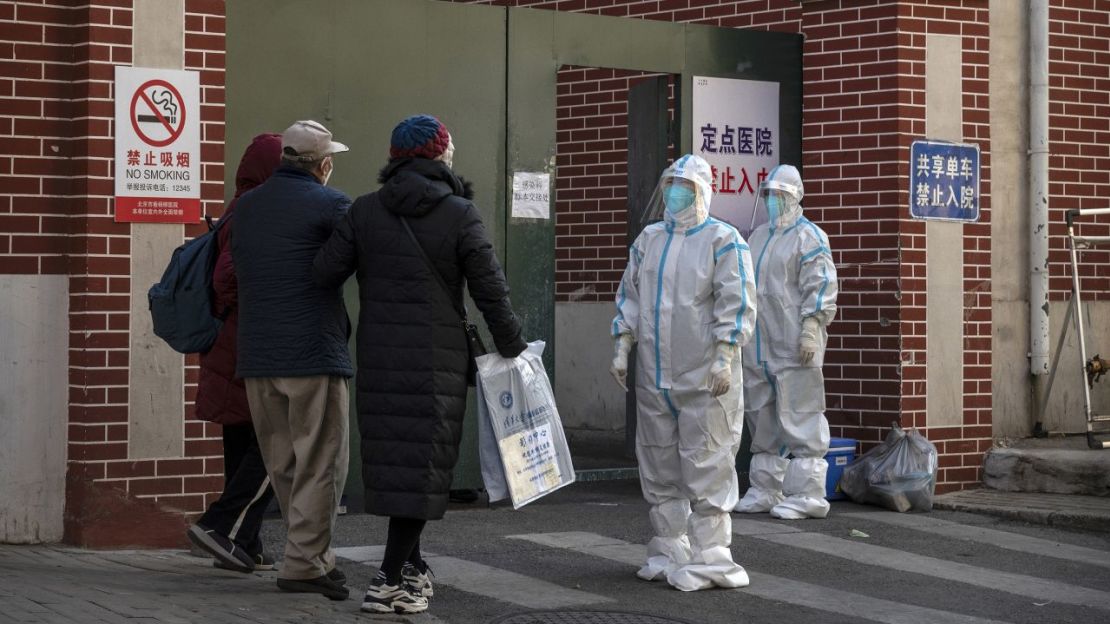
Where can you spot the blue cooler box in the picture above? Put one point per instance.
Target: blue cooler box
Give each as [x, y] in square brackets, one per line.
[841, 453]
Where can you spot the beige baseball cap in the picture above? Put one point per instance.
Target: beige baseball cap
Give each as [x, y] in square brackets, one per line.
[308, 140]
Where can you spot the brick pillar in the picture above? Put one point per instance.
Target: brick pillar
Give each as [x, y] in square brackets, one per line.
[964, 433]
[56, 220]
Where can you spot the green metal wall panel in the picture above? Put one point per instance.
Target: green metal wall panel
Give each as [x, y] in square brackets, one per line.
[530, 248]
[619, 43]
[367, 65]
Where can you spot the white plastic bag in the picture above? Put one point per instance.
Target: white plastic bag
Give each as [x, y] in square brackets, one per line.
[521, 445]
[899, 474]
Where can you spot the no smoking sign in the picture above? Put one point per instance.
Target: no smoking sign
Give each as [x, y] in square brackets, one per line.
[157, 113]
[157, 164]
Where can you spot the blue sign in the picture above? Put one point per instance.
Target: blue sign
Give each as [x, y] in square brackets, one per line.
[944, 181]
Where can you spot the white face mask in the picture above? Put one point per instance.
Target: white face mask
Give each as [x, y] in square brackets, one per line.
[327, 176]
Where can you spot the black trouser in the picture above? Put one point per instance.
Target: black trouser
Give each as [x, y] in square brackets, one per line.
[402, 545]
[237, 513]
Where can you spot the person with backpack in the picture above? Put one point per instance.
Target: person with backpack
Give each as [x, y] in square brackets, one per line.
[293, 350]
[229, 529]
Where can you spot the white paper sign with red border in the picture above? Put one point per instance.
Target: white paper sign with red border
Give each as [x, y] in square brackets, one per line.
[157, 145]
[736, 129]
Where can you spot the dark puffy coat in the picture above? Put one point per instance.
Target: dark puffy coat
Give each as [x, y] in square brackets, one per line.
[412, 355]
[289, 326]
[221, 395]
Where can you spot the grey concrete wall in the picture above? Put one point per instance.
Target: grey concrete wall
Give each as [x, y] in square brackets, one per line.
[34, 406]
[1009, 93]
[157, 376]
[586, 394]
[1065, 401]
[944, 245]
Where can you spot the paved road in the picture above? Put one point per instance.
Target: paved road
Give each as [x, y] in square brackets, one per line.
[578, 550]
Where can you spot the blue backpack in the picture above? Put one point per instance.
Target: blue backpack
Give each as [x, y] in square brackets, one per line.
[181, 302]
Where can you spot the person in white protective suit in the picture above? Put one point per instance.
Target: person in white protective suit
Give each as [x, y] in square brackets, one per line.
[687, 299]
[783, 385]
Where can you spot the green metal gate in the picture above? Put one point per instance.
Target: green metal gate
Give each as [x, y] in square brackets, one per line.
[360, 66]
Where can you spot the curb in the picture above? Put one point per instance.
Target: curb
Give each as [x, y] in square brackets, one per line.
[1058, 519]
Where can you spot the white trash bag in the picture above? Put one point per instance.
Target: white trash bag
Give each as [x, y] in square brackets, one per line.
[899, 474]
[521, 445]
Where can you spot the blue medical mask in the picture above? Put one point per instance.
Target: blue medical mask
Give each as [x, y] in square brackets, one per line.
[775, 206]
[678, 198]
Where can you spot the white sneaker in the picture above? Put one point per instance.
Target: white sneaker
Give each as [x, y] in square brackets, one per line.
[401, 598]
[420, 582]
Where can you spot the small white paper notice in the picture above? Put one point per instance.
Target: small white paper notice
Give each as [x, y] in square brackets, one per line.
[531, 195]
[531, 464]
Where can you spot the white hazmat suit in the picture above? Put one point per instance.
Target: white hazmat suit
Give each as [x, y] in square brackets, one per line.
[783, 384]
[687, 299]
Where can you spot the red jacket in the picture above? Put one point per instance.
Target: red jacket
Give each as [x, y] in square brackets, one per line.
[221, 396]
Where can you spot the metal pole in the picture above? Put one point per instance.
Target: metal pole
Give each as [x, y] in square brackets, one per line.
[1038, 188]
[1077, 302]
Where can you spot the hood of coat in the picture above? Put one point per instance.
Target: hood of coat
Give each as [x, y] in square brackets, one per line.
[259, 161]
[412, 187]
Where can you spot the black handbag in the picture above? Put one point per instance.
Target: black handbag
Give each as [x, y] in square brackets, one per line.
[474, 345]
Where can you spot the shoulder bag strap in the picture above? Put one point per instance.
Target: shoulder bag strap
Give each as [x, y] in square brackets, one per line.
[435, 272]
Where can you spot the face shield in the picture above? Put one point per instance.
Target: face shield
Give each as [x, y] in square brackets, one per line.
[683, 194]
[778, 200]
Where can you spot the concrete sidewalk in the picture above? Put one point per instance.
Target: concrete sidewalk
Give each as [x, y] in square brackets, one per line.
[1070, 511]
[53, 584]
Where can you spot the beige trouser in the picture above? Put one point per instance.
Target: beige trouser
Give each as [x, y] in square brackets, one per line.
[301, 423]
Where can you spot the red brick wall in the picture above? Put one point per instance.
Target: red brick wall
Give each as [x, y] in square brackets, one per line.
[849, 146]
[961, 447]
[99, 270]
[591, 182]
[1079, 139]
[205, 52]
[56, 216]
[35, 135]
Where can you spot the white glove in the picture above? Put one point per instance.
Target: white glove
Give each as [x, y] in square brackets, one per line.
[807, 342]
[619, 369]
[720, 373]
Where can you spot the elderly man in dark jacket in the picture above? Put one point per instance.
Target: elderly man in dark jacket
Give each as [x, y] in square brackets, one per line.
[412, 348]
[293, 350]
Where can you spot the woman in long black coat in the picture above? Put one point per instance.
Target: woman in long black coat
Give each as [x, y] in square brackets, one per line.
[411, 345]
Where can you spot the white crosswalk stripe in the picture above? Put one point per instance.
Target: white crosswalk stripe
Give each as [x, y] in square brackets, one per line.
[984, 535]
[767, 586]
[894, 559]
[484, 580]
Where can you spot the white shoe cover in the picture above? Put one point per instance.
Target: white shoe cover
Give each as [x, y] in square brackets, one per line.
[665, 554]
[758, 501]
[766, 475]
[713, 568]
[804, 487]
[800, 508]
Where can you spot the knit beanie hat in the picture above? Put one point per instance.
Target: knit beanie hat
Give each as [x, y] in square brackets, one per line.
[420, 135]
